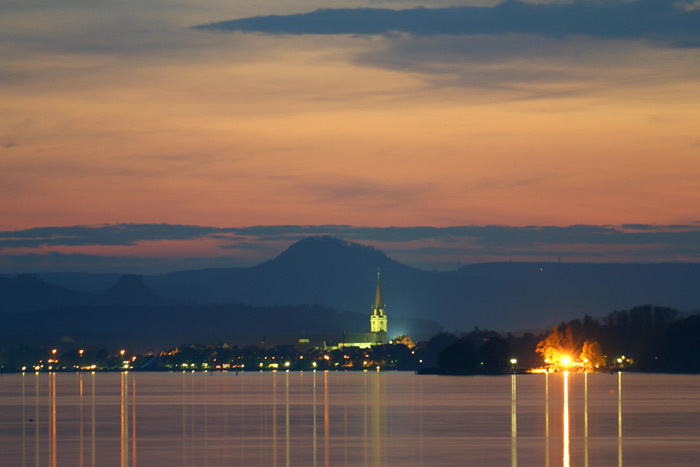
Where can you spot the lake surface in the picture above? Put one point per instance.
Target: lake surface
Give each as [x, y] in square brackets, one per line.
[331, 419]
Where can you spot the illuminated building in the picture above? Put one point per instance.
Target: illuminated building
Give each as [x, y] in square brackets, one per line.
[377, 322]
[378, 319]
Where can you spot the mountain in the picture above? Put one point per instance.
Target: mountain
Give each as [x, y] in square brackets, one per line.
[342, 275]
[502, 296]
[81, 281]
[316, 270]
[130, 289]
[27, 292]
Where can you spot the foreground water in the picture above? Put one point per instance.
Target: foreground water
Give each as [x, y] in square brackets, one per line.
[330, 419]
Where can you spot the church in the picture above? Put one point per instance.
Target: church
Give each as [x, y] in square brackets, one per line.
[377, 323]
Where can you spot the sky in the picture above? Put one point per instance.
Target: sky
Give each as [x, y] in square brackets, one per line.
[152, 135]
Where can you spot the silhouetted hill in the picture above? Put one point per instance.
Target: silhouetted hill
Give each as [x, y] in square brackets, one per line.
[314, 271]
[131, 290]
[81, 281]
[26, 292]
[502, 296]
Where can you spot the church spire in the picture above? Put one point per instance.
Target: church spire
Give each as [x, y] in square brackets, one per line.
[378, 299]
[378, 318]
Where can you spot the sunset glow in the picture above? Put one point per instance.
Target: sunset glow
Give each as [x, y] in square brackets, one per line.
[132, 116]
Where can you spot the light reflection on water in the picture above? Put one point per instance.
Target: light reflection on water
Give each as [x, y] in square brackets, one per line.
[329, 419]
[565, 458]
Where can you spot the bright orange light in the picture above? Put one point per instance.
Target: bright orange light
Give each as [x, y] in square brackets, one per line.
[566, 360]
[122, 352]
[54, 351]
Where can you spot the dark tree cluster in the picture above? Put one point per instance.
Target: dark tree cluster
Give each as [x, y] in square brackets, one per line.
[644, 335]
[644, 338]
[479, 352]
[650, 338]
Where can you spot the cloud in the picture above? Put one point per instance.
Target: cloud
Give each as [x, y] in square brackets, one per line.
[657, 20]
[113, 234]
[245, 237]
[76, 262]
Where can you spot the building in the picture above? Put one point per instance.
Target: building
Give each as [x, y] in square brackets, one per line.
[377, 320]
[377, 326]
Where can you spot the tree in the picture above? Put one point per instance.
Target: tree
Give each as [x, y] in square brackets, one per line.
[458, 358]
[680, 351]
[551, 347]
[437, 344]
[592, 354]
[494, 355]
[558, 347]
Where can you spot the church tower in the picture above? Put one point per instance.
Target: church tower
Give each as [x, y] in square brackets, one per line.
[378, 318]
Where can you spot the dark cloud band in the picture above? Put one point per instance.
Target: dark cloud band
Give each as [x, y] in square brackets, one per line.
[246, 237]
[659, 20]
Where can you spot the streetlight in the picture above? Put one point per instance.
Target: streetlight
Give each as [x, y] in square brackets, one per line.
[513, 361]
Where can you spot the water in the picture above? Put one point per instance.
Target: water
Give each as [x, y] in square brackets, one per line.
[331, 419]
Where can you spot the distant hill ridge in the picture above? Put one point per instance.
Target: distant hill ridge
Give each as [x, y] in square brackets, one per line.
[335, 273]
[131, 289]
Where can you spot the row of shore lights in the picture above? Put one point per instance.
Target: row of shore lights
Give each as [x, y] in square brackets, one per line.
[53, 359]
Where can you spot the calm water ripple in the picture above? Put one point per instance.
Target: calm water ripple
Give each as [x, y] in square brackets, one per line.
[331, 419]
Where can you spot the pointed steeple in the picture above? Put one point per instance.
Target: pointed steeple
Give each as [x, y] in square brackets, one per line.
[378, 299]
[377, 320]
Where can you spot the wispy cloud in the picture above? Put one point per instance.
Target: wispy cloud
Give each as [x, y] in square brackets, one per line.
[658, 20]
[77, 262]
[423, 246]
[114, 234]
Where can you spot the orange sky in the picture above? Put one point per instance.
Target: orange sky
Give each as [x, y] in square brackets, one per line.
[132, 117]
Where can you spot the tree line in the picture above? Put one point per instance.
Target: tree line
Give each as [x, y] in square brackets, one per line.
[645, 338]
